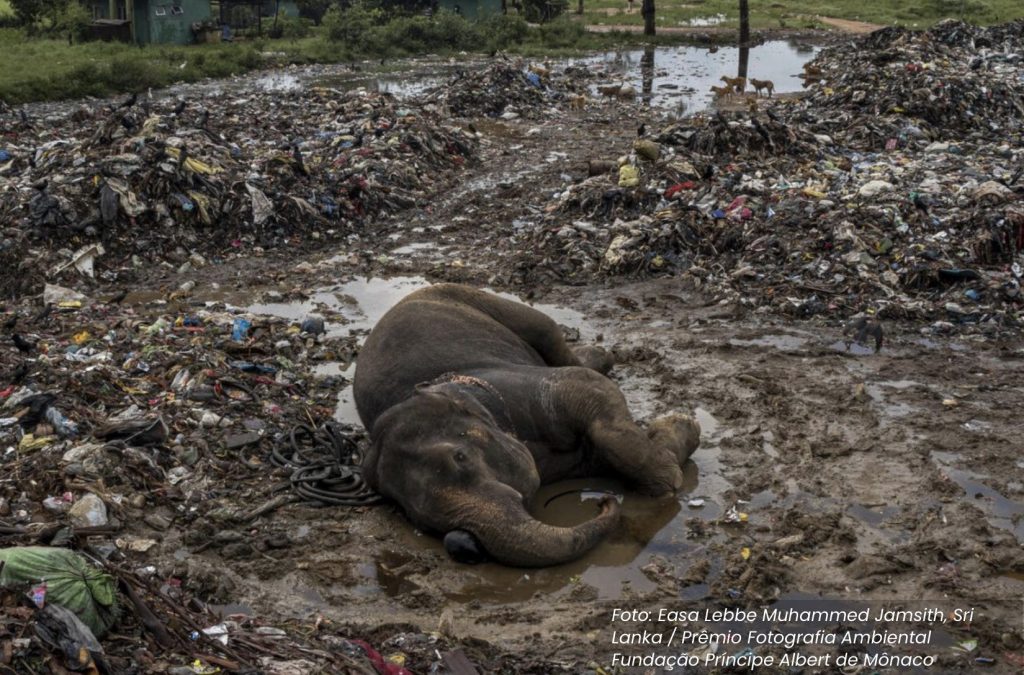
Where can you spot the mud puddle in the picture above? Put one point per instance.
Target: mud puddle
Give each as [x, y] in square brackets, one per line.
[355, 306]
[680, 78]
[653, 530]
[1001, 511]
[635, 558]
[782, 342]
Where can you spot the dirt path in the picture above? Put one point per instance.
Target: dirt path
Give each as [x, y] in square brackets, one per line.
[855, 27]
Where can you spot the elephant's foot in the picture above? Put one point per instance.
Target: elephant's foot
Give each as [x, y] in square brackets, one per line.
[595, 358]
[463, 547]
[678, 433]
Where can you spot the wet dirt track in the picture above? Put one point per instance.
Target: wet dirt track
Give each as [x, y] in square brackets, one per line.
[892, 479]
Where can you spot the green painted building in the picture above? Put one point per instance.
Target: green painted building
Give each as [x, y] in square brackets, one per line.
[155, 21]
[472, 9]
[167, 21]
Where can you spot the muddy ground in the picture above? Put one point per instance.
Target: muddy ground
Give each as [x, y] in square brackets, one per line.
[869, 480]
[829, 476]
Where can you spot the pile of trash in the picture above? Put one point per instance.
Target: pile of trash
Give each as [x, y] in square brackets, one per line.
[130, 427]
[133, 180]
[505, 89]
[952, 79]
[798, 210]
[48, 623]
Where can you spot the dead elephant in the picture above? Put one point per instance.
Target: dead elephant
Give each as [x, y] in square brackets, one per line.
[473, 401]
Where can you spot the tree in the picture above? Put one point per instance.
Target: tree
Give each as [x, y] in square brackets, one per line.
[314, 9]
[30, 12]
[744, 38]
[744, 23]
[648, 12]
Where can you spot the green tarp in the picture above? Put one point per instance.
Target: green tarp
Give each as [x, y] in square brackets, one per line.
[71, 582]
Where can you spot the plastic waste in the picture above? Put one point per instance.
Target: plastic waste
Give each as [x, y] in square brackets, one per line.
[71, 583]
[240, 329]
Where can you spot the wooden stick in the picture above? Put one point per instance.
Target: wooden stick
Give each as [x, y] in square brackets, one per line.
[149, 620]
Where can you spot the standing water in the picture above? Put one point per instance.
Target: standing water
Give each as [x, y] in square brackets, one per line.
[680, 78]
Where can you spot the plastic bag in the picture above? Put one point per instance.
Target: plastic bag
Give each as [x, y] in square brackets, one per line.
[71, 582]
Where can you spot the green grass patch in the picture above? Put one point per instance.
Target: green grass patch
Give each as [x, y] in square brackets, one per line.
[802, 13]
[45, 69]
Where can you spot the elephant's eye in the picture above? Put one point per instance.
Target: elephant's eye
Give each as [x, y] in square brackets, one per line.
[460, 456]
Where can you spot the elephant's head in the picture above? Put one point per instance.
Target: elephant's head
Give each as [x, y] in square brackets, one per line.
[443, 457]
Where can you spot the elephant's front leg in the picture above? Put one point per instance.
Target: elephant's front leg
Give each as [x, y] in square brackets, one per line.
[650, 460]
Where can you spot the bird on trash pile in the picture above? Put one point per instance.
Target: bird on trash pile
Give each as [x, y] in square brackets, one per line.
[182, 158]
[641, 130]
[23, 345]
[131, 101]
[298, 163]
[861, 329]
[119, 298]
[180, 108]
[921, 202]
[19, 373]
[10, 323]
[43, 313]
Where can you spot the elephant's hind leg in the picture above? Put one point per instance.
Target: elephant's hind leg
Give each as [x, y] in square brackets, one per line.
[676, 431]
[535, 328]
[648, 459]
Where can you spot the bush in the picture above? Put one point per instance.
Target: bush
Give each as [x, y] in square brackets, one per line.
[504, 30]
[352, 25]
[290, 27]
[133, 74]
[250, 59]
[417, 34]
[367, 31]
[542, 11]
[561, 33]
[74, 19]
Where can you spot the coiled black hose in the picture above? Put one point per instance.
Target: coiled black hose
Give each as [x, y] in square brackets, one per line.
[326, 465]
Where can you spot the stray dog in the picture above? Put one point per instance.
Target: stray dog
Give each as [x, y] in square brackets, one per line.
[758, 85]
[721, 92]
[577, 102]
[737, 83]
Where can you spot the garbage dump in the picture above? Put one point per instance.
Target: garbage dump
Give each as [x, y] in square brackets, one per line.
[893, 189]
[128, 426]
[507, 90]
[138, 179]
[175, 418]
[138, 434]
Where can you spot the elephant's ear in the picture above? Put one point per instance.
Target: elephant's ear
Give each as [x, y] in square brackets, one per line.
[371, 461]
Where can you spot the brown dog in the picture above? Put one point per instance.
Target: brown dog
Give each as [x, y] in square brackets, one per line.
[737, 83]
[577, 102]
[759, 85]
[721, 92]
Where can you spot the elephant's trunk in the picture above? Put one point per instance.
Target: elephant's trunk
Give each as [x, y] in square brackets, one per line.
[513, 537]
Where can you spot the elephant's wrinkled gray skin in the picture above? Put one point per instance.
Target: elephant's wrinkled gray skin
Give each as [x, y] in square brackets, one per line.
[473, 401]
